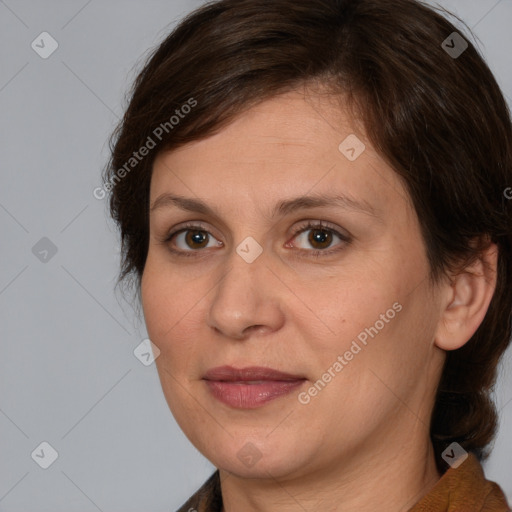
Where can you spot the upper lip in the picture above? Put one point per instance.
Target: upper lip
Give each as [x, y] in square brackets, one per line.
[250, 373]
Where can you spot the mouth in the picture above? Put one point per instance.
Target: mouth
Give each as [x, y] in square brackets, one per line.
[251, 387]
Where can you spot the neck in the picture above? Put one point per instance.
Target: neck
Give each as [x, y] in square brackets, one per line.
[386, 481]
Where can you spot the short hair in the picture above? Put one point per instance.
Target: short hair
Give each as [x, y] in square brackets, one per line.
[437, 118]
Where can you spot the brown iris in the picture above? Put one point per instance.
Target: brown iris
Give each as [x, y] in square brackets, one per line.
[196, 237]
[321, 236]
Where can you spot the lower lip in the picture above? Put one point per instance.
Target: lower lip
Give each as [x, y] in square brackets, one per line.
[249, 396]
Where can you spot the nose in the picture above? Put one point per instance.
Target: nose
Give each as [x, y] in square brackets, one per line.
[247, 300]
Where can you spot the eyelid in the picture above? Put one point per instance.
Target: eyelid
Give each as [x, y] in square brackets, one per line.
[320, 224]
[188, 226]
[346, 239]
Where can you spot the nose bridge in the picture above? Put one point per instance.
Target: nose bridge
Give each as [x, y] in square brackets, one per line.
[246, 266]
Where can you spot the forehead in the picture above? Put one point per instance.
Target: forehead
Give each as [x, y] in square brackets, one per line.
[293, 144]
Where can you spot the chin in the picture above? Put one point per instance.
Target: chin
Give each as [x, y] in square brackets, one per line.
[258, 458]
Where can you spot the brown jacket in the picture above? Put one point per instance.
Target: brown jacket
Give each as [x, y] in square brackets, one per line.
[464, 489]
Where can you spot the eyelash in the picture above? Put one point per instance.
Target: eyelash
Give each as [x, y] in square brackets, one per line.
[305, 227]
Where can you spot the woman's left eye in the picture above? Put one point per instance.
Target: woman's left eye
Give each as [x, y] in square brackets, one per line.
[321, 238]
[197, 237]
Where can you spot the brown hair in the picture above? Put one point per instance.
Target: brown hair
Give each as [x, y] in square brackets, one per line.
[440, 121]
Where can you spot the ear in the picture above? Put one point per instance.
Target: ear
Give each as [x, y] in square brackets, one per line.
[465, 300]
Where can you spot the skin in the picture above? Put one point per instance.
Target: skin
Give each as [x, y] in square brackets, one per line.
[362, 442]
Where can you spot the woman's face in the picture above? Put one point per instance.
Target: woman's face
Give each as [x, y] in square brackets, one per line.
[344, 308]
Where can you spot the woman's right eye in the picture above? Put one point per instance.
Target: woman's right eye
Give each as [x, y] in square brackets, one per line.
[190, 239]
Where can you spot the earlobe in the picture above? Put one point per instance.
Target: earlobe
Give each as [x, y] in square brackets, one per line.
[466, 301]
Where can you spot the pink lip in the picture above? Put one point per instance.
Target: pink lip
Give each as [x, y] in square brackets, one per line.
[248, 388]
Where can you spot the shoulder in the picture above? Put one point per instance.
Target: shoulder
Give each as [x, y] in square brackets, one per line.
[464, 488]
[207, 499]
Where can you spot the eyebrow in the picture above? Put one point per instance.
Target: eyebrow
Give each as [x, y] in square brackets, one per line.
[282, 208]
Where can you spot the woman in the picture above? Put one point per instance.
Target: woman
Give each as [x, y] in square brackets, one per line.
[311, 202]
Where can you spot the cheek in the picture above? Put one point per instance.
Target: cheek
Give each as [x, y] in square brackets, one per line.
[380, 323]
[154, 303]
[351, 308]
[171, 304]
[165, 299]
[369, 372]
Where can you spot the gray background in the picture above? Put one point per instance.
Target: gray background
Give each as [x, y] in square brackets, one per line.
[68, 374]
